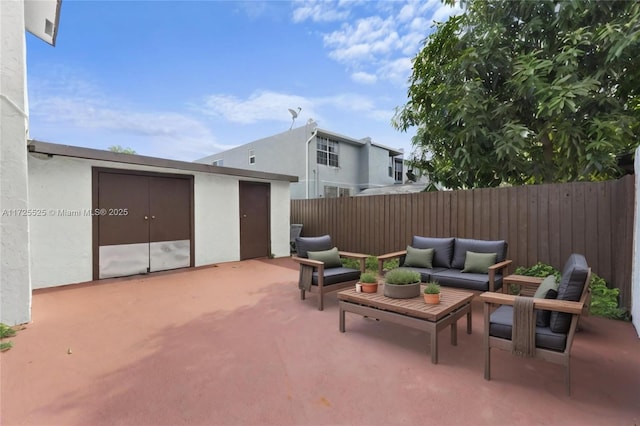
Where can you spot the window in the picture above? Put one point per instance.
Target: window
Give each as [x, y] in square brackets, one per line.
[327, 151]
[252, 156]
[398, 170]
[219, 162]
[390, 166]
[335, 192]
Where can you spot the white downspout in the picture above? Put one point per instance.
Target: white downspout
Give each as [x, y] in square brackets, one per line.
[306, 145]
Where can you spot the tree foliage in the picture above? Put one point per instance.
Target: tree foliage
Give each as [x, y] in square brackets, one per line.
[521, 92]
[118, 148]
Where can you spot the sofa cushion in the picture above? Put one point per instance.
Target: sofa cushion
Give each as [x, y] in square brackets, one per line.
[419, 258]
[547, 284]
[425, 273]
[330, 258]
[479, 262]
[443, 249]
[500, 325]
[468, 280]
[462, 245]
[574, 276]
[305, 244]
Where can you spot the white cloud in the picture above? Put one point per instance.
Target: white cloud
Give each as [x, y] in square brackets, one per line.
[364, 78]
[320, 11]
[375, 38]
[259, 106]
[80, 108]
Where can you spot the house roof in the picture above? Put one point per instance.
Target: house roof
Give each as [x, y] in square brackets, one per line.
[117, 157]
[353, 141]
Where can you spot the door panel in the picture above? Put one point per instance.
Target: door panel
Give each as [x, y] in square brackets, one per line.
[122, 191]
[170, 209]
[121, 260]
[255, 238]
[164, 255]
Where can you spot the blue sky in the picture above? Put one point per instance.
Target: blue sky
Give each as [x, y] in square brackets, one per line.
[186, 79]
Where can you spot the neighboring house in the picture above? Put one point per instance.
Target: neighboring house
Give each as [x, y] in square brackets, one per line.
[327, 164]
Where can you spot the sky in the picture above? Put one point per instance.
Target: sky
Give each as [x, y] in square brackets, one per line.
[187, 79]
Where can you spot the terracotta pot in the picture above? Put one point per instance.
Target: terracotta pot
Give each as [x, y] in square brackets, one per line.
[431, 299]
[369, 287]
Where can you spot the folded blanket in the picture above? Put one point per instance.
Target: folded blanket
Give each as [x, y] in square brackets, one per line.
[306, 276]
[523, 332]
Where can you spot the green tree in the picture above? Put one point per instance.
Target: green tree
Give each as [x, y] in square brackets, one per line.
[522, 92]
[118, 148]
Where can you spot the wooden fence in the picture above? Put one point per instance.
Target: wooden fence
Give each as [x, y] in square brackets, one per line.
[543, 223]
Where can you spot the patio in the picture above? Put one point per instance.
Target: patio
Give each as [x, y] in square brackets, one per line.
[232, 344]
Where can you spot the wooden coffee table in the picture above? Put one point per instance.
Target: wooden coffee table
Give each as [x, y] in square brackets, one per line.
[415, 313]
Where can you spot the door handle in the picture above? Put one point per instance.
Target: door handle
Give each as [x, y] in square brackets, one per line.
[153, 217]
[244, 215]
[146, 218]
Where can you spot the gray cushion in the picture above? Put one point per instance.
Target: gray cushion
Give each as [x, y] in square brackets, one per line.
[571, 285]
[443, 249]
[468, 280]
[462, 245]
[501, 322]
[419, 258]
[306, 244]
[337, 275]
[330, 258]
[425, 273]
[543, 317]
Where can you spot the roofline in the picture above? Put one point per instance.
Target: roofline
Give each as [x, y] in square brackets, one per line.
[142, 160]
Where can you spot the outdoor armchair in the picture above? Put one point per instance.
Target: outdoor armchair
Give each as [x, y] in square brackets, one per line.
[321, 269]
[520, 325]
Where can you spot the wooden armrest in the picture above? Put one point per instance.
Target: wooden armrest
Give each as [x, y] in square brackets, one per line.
[308, 262]
[545, 304]
[393, 255]
[523, 280]
[500, 265]
[353, 255]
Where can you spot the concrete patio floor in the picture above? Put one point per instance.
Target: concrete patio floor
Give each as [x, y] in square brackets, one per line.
[235, 345]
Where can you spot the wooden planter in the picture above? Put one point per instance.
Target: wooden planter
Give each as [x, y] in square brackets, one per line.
[402, 291]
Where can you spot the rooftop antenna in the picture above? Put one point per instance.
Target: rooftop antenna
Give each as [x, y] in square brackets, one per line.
[294, 115]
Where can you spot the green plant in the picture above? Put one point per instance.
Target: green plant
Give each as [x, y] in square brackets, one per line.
[604, 300]
[540, 269]
[401, 276]
[390, 264]
[368, 277]
[371, 264]
[6, 331]
[432, 288]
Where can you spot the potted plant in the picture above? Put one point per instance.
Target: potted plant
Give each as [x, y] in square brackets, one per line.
[401, 283]
[368, 282]
[432, 293]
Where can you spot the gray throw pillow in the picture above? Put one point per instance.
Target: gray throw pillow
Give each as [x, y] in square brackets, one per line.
[330, 258]
[419, 258]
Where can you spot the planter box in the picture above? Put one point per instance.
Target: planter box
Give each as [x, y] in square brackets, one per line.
[402, 291]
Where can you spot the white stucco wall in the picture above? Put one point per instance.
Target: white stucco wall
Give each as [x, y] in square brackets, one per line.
[62, 246]
[15, 286]
[635, 276]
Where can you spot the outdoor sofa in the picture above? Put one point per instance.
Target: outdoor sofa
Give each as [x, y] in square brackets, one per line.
[454, 262]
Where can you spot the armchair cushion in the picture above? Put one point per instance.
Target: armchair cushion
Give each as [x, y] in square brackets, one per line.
[443, 248]
[574, 276]
[330, 258]
[478, 262]
[306, 244]
[471, 281]
[463, 245]
[336, 276]
[501, 324]
[546, 290]
[419, 258]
